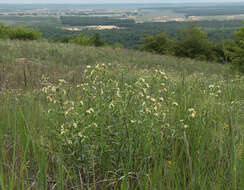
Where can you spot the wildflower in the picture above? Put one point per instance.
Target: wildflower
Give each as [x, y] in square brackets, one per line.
[81, 103]
[62, 130]
[90, 110]
[69, 110]
[75, 125]
[88, 66]
[143, 104]
[185, 126]
[162, 73]
[94, 124]
[211, 86]
[153, 99]
[97, 66]
[69, 141]
[167, 125]
[142, 79]
[49, 98]
[164, 116]
[66, 102]
[54, 89]
[111, 105]
[192, 112]
[62, 81]
[133, 121]
[169, 162]
[155, 108]
[147, 85]
[118, 93]
[161, 99]
[45, 89]
[175, 104]
[80, 135]
[148, 110]
[155, 114]
[141, 94]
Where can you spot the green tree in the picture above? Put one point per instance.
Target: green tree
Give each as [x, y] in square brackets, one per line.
[160, 44]
[97, 41]
[4, 31]
[82, 40]
[194, 44]
[118, 45]
[237, 54]
[23, 33]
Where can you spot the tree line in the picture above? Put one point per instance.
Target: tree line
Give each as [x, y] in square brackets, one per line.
[194, 43]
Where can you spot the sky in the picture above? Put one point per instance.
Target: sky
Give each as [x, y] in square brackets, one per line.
[116, 1]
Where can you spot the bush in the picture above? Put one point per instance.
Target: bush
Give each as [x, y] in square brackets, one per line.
[118, 45]
[4, 31]
[237, 54]
[160, 44]
[19, 33]
[85, 40]
[82, 40]
[22, 33]
[194, 44]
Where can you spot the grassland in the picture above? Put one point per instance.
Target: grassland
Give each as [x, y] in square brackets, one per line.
[76, 117]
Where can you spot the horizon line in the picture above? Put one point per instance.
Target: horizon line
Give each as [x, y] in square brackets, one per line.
[121, 3]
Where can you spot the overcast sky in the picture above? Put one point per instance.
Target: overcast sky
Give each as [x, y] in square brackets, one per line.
[116, 1]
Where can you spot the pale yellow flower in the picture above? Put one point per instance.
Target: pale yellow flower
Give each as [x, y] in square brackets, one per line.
[75, 125]
[90, 110]
[69, 141]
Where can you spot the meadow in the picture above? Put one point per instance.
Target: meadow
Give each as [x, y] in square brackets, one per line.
[74, 117]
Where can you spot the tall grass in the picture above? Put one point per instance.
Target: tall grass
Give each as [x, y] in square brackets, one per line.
[120, 125]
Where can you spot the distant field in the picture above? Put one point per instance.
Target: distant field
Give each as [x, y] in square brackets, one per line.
[29, 20]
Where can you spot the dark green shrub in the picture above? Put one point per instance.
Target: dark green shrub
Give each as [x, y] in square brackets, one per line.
[194, 44]
[97, 41]
[82, 40]
[4, 31]
[160, 44]
[23, 33]
[237, 54]
[85, 40]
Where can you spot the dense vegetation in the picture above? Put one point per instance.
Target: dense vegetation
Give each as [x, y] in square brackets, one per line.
[117, 120]
[92, 21]
[19, 33]
[194, 43]
[130, 37]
